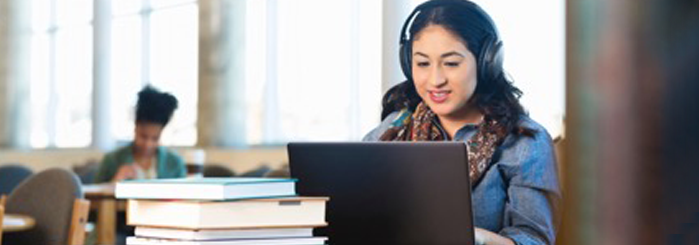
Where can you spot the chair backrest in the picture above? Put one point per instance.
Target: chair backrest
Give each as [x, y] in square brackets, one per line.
[11, 175]
[86, 171]
[2, 215]
[258, 172]
[49, 197]
[216, 170]
[559, 149]
[282, 172]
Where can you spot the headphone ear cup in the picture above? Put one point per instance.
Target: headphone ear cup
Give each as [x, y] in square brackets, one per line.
[490, 60]
[405, 62]
[495, 64]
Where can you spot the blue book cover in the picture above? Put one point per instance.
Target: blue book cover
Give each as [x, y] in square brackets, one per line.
[210, 181]
[206, 188]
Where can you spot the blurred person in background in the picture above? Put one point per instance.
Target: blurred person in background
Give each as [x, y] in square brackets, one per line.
[145, 158]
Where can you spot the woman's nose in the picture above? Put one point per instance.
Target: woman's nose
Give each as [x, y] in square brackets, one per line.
[438, 78]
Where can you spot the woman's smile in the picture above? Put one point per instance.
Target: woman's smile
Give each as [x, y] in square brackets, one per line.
[439, 96]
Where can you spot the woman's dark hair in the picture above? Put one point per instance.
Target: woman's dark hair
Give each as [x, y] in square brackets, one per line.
[496, 97]
[154, 106]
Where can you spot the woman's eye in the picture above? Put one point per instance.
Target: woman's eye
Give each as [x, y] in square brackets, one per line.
[451, 64]
[423, 64]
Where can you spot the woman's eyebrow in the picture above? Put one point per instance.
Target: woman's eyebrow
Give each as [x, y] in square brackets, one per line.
[452, 53]
[421, 54]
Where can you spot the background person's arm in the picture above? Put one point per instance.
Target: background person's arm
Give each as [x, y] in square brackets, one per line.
[126, 171]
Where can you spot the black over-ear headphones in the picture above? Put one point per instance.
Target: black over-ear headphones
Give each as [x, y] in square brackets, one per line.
[489, 60]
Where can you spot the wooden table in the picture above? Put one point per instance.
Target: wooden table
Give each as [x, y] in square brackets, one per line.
[102, 200]
[17, 222]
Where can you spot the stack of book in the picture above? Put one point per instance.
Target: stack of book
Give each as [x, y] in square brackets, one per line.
[218, 211]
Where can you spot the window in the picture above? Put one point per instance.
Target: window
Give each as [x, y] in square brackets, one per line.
[312, 75]
[148, 49]
[313, 67]
[61, 74]
[534, 43]
[145, 48]
[315, 75]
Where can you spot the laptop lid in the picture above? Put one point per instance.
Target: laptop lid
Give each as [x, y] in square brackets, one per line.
[388, 193]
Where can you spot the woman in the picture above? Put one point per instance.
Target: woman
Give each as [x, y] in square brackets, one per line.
[456, 89]
[144, 158]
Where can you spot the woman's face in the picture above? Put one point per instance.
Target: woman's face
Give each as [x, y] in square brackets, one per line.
[147, 137]
[444, 71]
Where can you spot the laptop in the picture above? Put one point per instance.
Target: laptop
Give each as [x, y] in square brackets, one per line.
[388, 193]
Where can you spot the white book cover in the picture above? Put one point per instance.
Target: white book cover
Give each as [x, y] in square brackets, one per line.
[205, 188]
[289, 212]
[288, 241]
[222, 234]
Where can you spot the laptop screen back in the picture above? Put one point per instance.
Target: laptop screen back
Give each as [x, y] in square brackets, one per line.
[388, 193]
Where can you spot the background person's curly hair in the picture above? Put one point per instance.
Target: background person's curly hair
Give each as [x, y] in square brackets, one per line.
[496, 98]
[154, 106]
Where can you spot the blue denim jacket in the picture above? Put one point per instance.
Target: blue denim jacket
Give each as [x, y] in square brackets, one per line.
[519, 195]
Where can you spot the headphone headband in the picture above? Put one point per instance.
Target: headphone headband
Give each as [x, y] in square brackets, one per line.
[409, 21]
[490, 56]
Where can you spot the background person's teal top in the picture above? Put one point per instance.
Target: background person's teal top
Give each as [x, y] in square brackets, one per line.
[169, 164]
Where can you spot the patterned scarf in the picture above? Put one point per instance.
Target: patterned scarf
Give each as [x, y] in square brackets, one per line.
[422, 125]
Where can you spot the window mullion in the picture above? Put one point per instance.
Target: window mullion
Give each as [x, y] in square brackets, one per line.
[146, 12]
[101, 62]
[271, 133]
[52, 110]
[354, 88]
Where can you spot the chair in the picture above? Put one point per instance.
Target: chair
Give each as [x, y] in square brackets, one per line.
[87, 171]
[559, 144]
[2, 214]
[11, 175]
[282, 172]
[258, 172]
[216, 170]
[54, 199]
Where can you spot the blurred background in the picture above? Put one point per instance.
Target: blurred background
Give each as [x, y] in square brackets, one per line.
[251, 75]
[615, 82]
